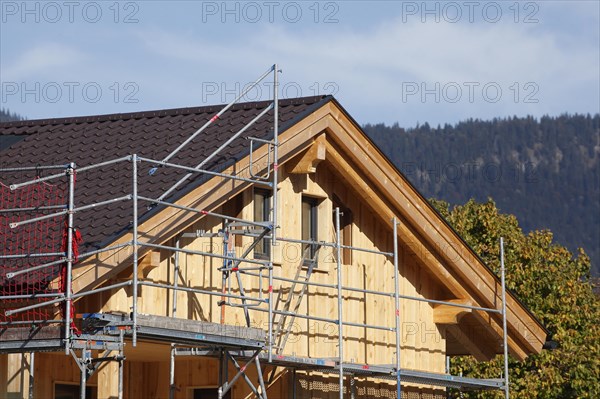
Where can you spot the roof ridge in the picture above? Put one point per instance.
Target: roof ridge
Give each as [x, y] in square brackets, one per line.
[160, 112]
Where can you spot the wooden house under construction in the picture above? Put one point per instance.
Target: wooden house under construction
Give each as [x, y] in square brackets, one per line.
[193, 253]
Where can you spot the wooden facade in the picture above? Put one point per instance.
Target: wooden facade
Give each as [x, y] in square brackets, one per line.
[325, 159]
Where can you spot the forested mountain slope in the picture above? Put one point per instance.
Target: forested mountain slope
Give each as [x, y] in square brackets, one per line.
[7, 116]
[546, 171]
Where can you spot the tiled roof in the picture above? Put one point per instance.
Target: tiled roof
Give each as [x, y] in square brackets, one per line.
[154, 134]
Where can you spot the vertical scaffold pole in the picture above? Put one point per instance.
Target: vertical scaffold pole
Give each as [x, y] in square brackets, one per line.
[84, 375]
[274, 206]
[275, 150]
[172, 373]
[134, 244]
[121, 360]
[504, 327]
[397, 305]
[294, 383]
[70, 207]
[31, 373]
[176, 275]
[338, 250]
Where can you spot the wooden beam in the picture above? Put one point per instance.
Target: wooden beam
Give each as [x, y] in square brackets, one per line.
[515, 349]
[434, 243]
[148, 262]
[307, 162]
[461, 337]
[448, 314]
[424, 252]
[473, 274]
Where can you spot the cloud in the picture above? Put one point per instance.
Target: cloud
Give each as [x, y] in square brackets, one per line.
[374, 64]
[365, 60]
[44, 59]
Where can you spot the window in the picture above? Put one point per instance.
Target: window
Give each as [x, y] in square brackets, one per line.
[345, 229]
[69, 391]
[262, 209]
[208, 393]
[309, 227]
[233, 208]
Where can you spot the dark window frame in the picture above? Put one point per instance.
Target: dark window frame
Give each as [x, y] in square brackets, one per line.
[313, 229]
[262, 250]
[91, 391]
[196, 392]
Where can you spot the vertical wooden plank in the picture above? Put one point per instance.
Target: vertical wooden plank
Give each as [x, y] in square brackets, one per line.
[290, 256]
[135, 383]
[108, 381]
[410, 320]
[245, 206]
[3, 376]
[420, 349]
[116, 300]
[44, 375]
[18, 375]
[151, 380]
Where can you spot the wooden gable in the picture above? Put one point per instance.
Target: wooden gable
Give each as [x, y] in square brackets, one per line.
[431, 249]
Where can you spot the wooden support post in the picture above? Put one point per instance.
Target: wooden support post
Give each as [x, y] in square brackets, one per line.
[17, 375]
[307, 162]
[149, 262]
[108, 381]
[470, 341]
[448, 314]
[3, 376]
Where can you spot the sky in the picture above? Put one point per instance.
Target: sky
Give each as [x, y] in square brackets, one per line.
[405, 62]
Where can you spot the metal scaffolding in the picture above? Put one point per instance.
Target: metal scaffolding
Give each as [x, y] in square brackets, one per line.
[239, 346]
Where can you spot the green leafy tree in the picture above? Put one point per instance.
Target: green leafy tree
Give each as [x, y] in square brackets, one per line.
[555, 286]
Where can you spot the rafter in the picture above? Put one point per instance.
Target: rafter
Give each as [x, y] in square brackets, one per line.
[308, 161]
[448, 314]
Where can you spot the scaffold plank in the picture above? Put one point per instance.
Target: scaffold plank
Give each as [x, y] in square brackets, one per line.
[388, 372]
[191, 332]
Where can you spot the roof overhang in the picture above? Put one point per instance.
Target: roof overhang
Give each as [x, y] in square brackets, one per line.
[433, 242]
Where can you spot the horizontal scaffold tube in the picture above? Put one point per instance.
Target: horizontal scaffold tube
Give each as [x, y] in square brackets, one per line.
[205, 171]
[210, 254]
[380, 293]
[199, 291]
[204, 212]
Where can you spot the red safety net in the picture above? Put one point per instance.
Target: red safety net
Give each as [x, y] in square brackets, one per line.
[30, 245]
